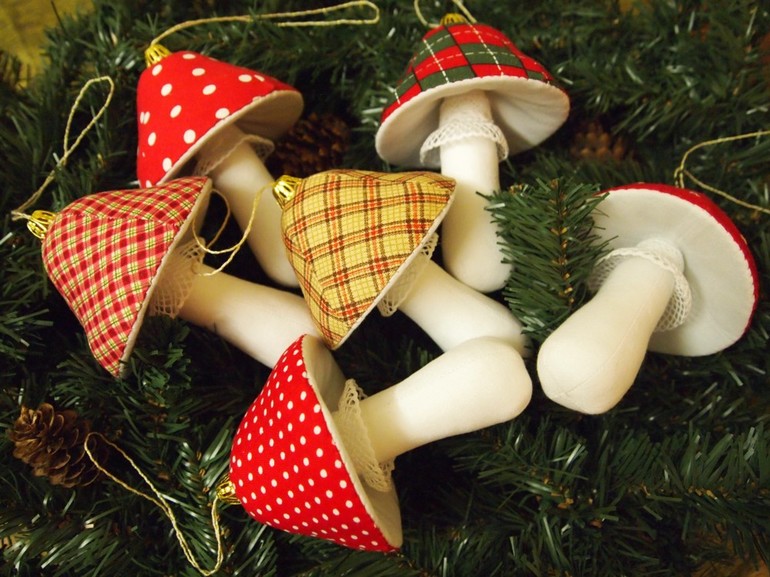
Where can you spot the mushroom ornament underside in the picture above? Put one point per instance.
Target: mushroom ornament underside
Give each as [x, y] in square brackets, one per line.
[680, 280]
[203, 116]
[313, 455]
[470, 98]
[119, 256]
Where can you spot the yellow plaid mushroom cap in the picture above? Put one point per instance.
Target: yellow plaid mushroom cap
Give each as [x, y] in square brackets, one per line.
[350, 233]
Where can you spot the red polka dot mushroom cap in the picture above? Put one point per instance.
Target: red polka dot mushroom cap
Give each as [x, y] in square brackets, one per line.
[184, 99]
[105, 253]
[289, 465]
[456, 58]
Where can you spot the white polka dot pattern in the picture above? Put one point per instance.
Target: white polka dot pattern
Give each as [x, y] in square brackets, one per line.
[182, 99]
[287, 470]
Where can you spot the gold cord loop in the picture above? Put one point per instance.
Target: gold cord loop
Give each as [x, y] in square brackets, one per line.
[232, 250]
[681, 171]
[18, 213]
[162, 502]
[287, 16]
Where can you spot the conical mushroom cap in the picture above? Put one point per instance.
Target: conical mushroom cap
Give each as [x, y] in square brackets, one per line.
[104, 253]
[186, 98]
[289, 466]
[350, 234]
[456, 58]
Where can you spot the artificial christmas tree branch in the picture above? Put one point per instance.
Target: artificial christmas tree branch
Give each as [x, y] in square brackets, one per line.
[671, 481]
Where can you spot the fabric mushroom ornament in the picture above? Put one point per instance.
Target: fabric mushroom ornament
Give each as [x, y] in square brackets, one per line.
[680, 280]
[470, 98]
[313, 455]
[119, 256]
[360, 240]
[198, 115]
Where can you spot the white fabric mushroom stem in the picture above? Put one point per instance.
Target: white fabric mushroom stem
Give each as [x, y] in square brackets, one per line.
[261, 321]
[452, 313]
[592, 359]
[240, 175]
[470, 148]
[475, 385]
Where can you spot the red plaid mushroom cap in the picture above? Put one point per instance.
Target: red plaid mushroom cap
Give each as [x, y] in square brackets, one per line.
[456, 58]
[105, 251]
[350, 234]
[718, 264]
[186, 98]
[289, 467]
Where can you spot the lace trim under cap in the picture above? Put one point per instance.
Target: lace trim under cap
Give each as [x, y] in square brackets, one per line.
[221, 145]
[397, 293]
[355, 438]
[665, 256]
[464, 116]
[175, 281]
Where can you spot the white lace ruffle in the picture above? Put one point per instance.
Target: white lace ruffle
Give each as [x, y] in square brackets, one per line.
[175, 282]
[665, 256]
[389, 303]
[463, 117]
[355, 438]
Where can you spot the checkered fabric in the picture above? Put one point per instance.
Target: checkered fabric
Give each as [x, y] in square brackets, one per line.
[103, 252]
[456, 52]
[350, 233]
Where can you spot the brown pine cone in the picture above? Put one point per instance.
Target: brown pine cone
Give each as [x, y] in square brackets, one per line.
[315, 144]
[51, 442]
[592, 141]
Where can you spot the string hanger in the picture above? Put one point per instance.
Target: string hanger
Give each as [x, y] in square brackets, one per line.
[681, 171]
[288, 18]
[466, 13]
[222, 496]
[38, 221]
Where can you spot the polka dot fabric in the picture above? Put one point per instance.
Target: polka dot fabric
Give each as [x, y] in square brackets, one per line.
[287, 468]
[184, 98]
[104, 251]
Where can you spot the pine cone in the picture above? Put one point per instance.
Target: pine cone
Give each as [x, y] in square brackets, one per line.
[51, 442]
[593, 142]
[315, 144]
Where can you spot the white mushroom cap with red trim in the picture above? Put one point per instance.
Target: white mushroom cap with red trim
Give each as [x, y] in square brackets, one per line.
[186, 98]
[289, 466]
[718, 264]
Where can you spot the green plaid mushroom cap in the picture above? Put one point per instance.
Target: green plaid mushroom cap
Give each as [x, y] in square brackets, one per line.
[453, 59]
[350, 234]
[105, 251]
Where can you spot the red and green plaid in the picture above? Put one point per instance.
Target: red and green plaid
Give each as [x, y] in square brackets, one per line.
[456, 52]
[103, 251]
[348, 233]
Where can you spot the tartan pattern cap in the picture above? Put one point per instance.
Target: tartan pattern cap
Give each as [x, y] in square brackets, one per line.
[349, 234]
[456, 58]
[104, 251]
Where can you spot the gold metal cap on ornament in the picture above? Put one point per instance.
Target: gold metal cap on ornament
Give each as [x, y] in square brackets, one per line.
[285, 189]
[39, 222]
[453, 18]
[155, 53]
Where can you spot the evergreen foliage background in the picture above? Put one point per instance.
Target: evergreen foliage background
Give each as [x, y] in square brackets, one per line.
[673, 481]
